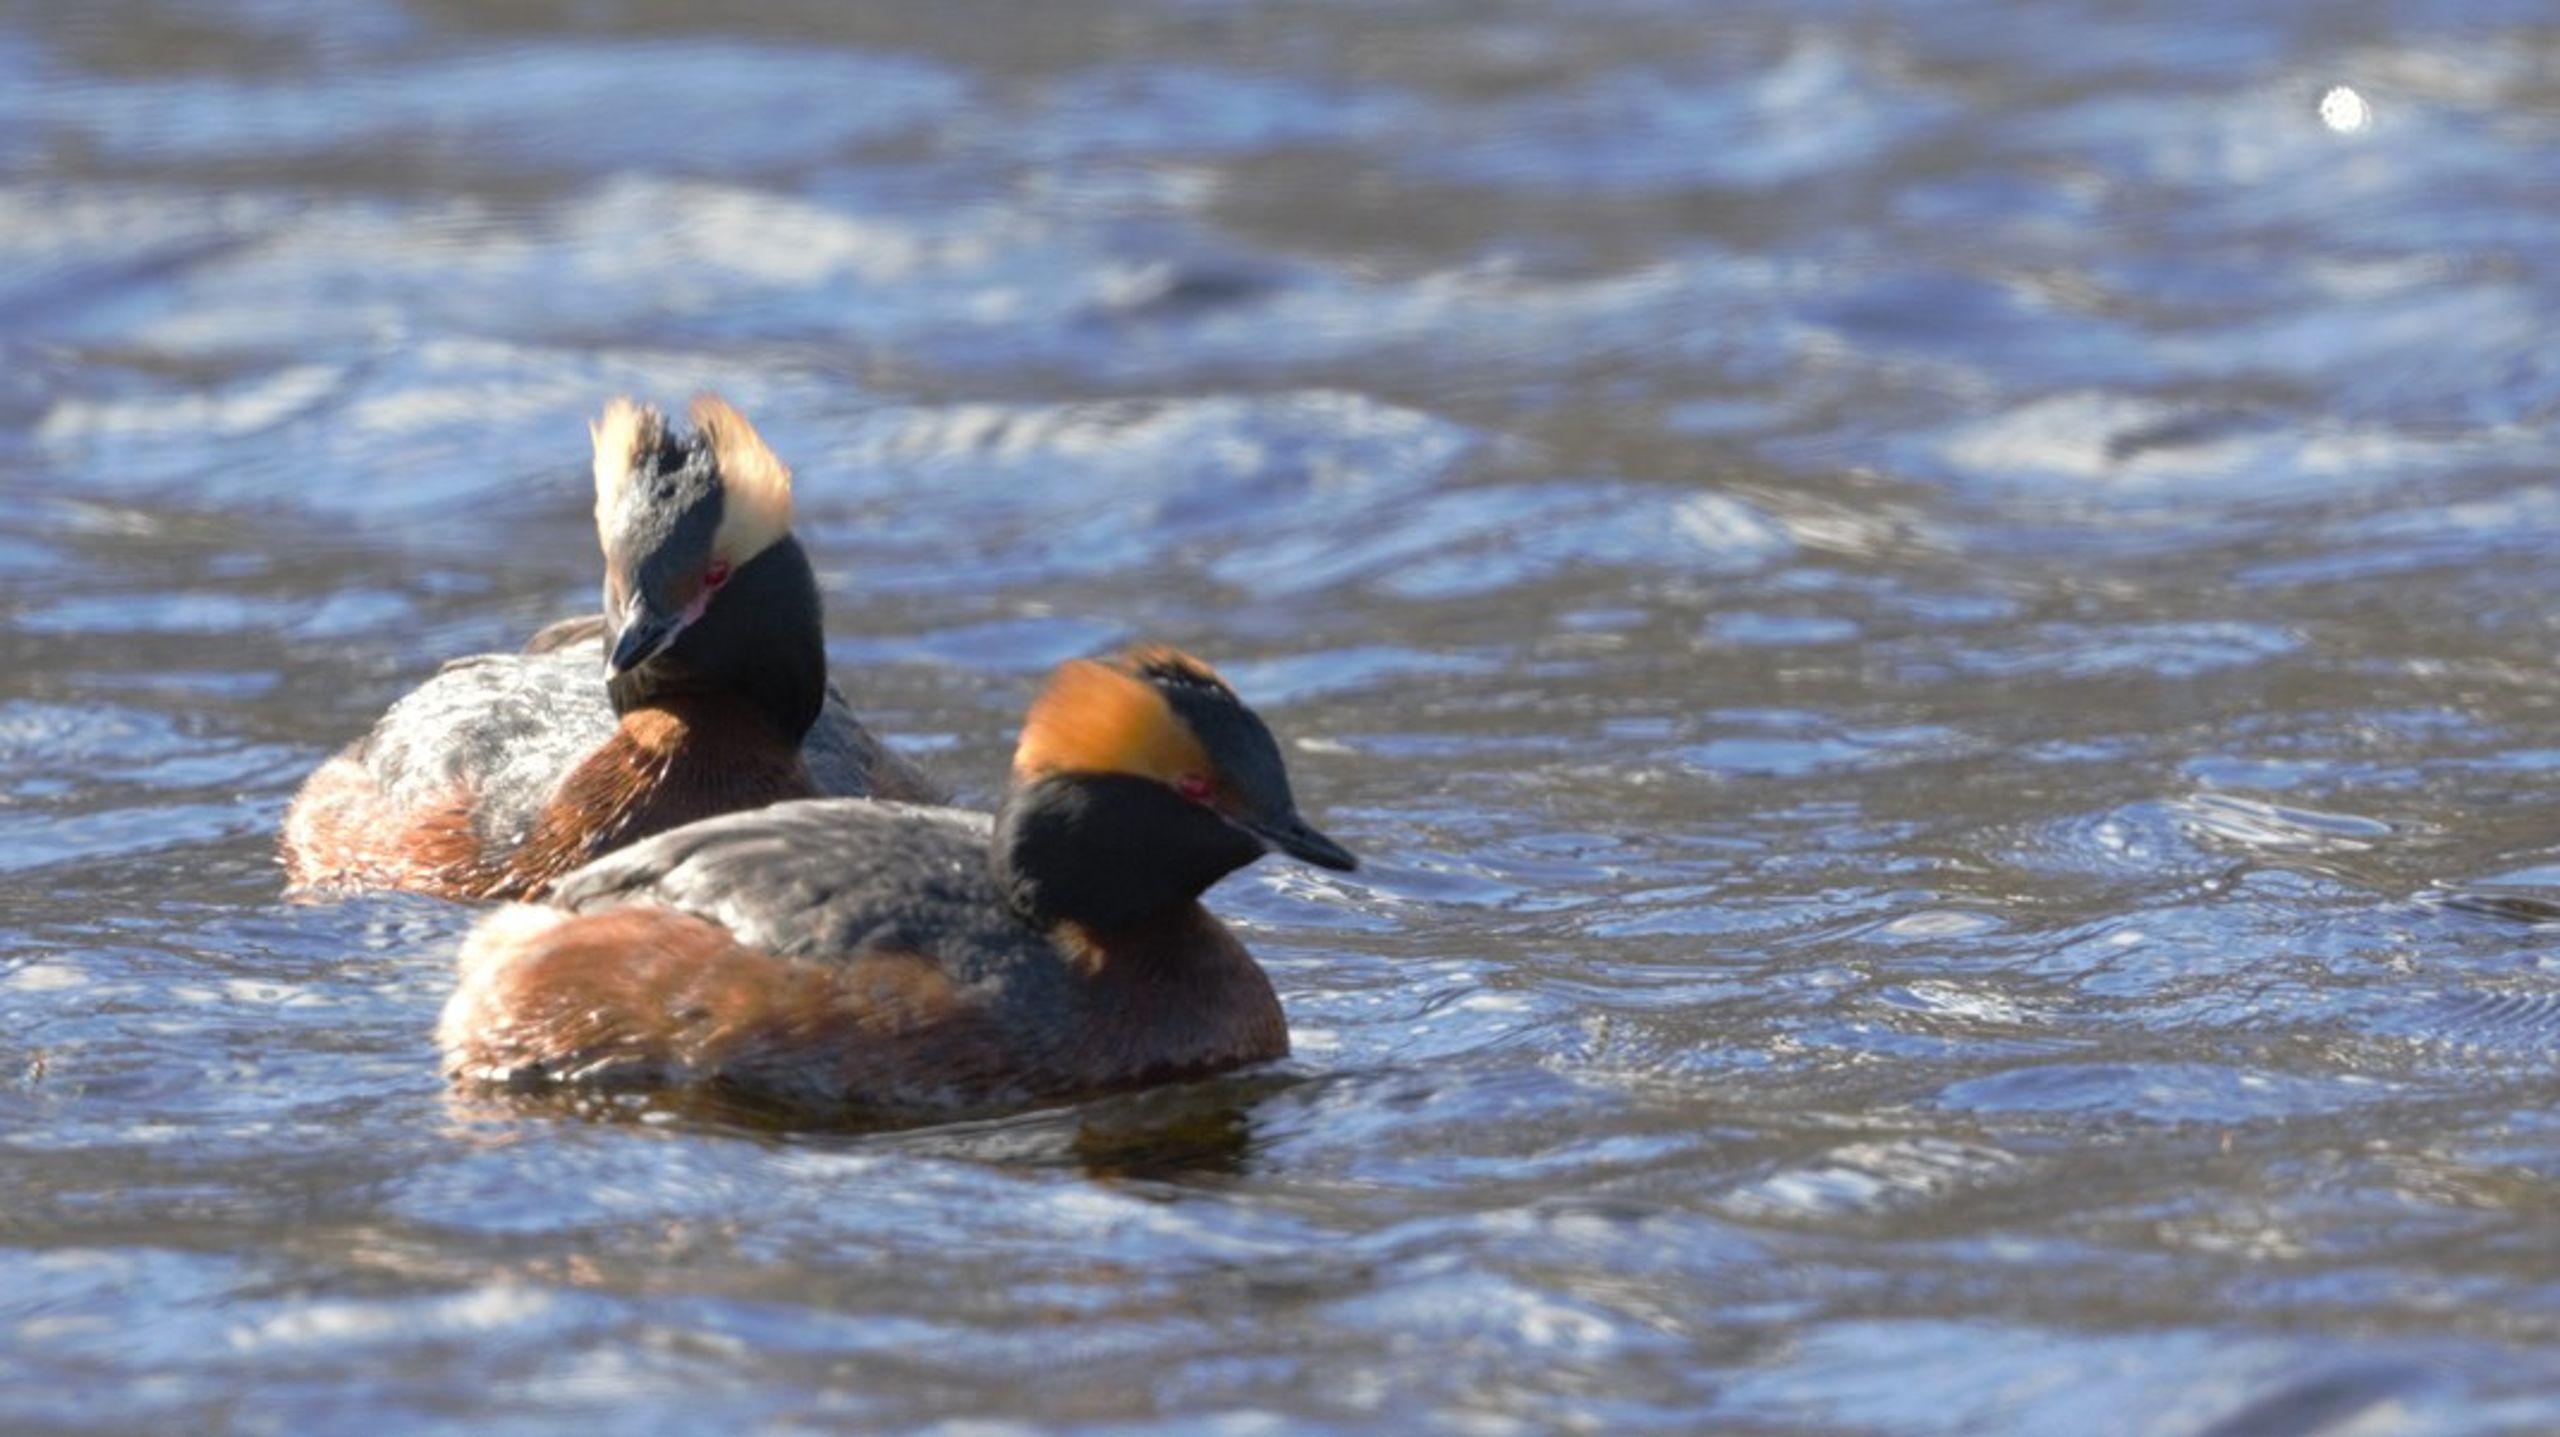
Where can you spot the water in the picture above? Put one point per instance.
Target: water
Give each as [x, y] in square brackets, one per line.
[1916, 610]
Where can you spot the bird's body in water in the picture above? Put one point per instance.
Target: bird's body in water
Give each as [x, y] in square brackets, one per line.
[702, 689]
[892, 958]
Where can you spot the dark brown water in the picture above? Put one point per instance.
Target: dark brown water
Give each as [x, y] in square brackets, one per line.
[1914, 609]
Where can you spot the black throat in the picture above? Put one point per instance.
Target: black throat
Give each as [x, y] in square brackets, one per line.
[762, 638]
[1109, 850]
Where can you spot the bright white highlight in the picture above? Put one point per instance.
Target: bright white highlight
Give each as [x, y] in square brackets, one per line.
[2344, 111]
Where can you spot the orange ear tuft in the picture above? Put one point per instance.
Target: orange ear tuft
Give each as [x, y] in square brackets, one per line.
[623, 435]
[1093, 717]
[757, 485]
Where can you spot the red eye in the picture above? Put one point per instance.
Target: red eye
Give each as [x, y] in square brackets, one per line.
[716, 575]
[1194, 787]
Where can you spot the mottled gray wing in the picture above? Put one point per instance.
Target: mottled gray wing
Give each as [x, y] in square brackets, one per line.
[849, 760]
[502, 728]
[845, 759]
[819, 878]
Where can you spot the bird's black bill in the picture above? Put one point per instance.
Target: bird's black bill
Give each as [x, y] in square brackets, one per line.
[1294, 836]
[640, 640]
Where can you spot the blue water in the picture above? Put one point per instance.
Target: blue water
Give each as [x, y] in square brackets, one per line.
[1935, 622]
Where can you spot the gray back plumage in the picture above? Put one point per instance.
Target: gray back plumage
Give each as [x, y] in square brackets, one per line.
[824, 879]
[500, 728]
[505, 729]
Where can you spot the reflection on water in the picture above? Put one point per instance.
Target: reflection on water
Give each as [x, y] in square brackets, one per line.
[1938, 622]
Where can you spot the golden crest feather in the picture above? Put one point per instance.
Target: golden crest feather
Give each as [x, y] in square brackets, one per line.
[1095, 716]
[755, 485]
[623, 436]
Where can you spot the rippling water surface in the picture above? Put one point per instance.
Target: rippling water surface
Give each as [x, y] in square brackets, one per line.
[1917, 610]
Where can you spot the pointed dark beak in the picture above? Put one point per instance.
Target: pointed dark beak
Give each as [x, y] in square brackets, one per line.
[644, 633]
[1296, 837]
